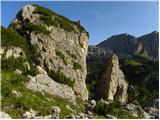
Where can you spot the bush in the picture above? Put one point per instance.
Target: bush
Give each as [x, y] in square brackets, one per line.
[62, 56]
[11, 64]
[49, 21]
[76, 66]
[37, 28]
[65, 24]
[114, 108]
[61, 78]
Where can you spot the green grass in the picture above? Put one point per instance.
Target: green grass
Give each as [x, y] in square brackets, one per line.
[114, 108]
[37, 28]
[76, 66]
[15, 106]
[61, 78]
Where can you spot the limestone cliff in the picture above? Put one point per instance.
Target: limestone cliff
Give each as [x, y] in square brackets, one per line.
[112, 85]
[61, 45]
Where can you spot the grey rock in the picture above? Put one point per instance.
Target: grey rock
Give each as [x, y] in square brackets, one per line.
[130, 106]
[55, 112]
[43, 83]
[4, 115]
[153, 112]
[112, 85]
[39, 117]
[70, 44]
[111, 116]
[18, 71]
[48, 117]
[17, 93]
[30, 114]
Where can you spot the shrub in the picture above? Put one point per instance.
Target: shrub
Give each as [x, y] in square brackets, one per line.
[49, 21]
[114, 108]
[65, 24]
[62, 56]
[37, 28]
[61, 78]
[11, 64]
[76, 66]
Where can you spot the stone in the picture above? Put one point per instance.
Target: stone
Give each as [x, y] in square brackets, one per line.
[112, 84]
[44, 83]
[130, 106]
[30, 114]
[111, 116]
[71, 116]
[48, 117]
[27, 115]
[55, 112]
[93, 102]
[18, 71]
[41, 70]
[69, 108]
[39, 117]
[17, 93]
[153, 112]
[15, 52]
[4, 115]
[72, 46]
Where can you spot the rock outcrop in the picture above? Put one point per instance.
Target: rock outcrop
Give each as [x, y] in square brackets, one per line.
[60, 43]
[43, 83]
[112, 85]
[4, 115]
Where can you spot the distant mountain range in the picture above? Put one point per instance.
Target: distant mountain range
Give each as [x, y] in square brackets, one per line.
[125, 44]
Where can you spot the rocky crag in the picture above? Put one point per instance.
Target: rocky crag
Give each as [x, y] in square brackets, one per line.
[112, 84]
[61, 44]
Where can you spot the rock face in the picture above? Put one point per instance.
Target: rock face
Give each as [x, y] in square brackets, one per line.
[60, 43]
[125, 44]
[43, 83]
[4, 115]
[112, 85]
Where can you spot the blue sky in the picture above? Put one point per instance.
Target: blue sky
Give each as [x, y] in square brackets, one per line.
[101, 19]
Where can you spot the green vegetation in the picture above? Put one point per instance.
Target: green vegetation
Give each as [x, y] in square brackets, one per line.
[61, 78]
[37, 27]
[49, 21]
[43, 10]
[142, 75]
[72, 55]
[16, 106]
[76, 66]
[114, 108]
[63, 22]
[62, 56]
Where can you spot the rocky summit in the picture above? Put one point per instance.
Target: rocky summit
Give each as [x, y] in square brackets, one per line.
[61, 44]
[49, 72]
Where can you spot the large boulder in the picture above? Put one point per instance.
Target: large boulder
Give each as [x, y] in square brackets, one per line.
[112, 85]
[4, 115]
[44, 83]
[60, 43]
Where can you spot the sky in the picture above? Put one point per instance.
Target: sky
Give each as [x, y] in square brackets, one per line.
[101, 19]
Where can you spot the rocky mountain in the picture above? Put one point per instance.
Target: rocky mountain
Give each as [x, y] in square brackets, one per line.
[43, 58]
[125, 44]
[48, 71]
